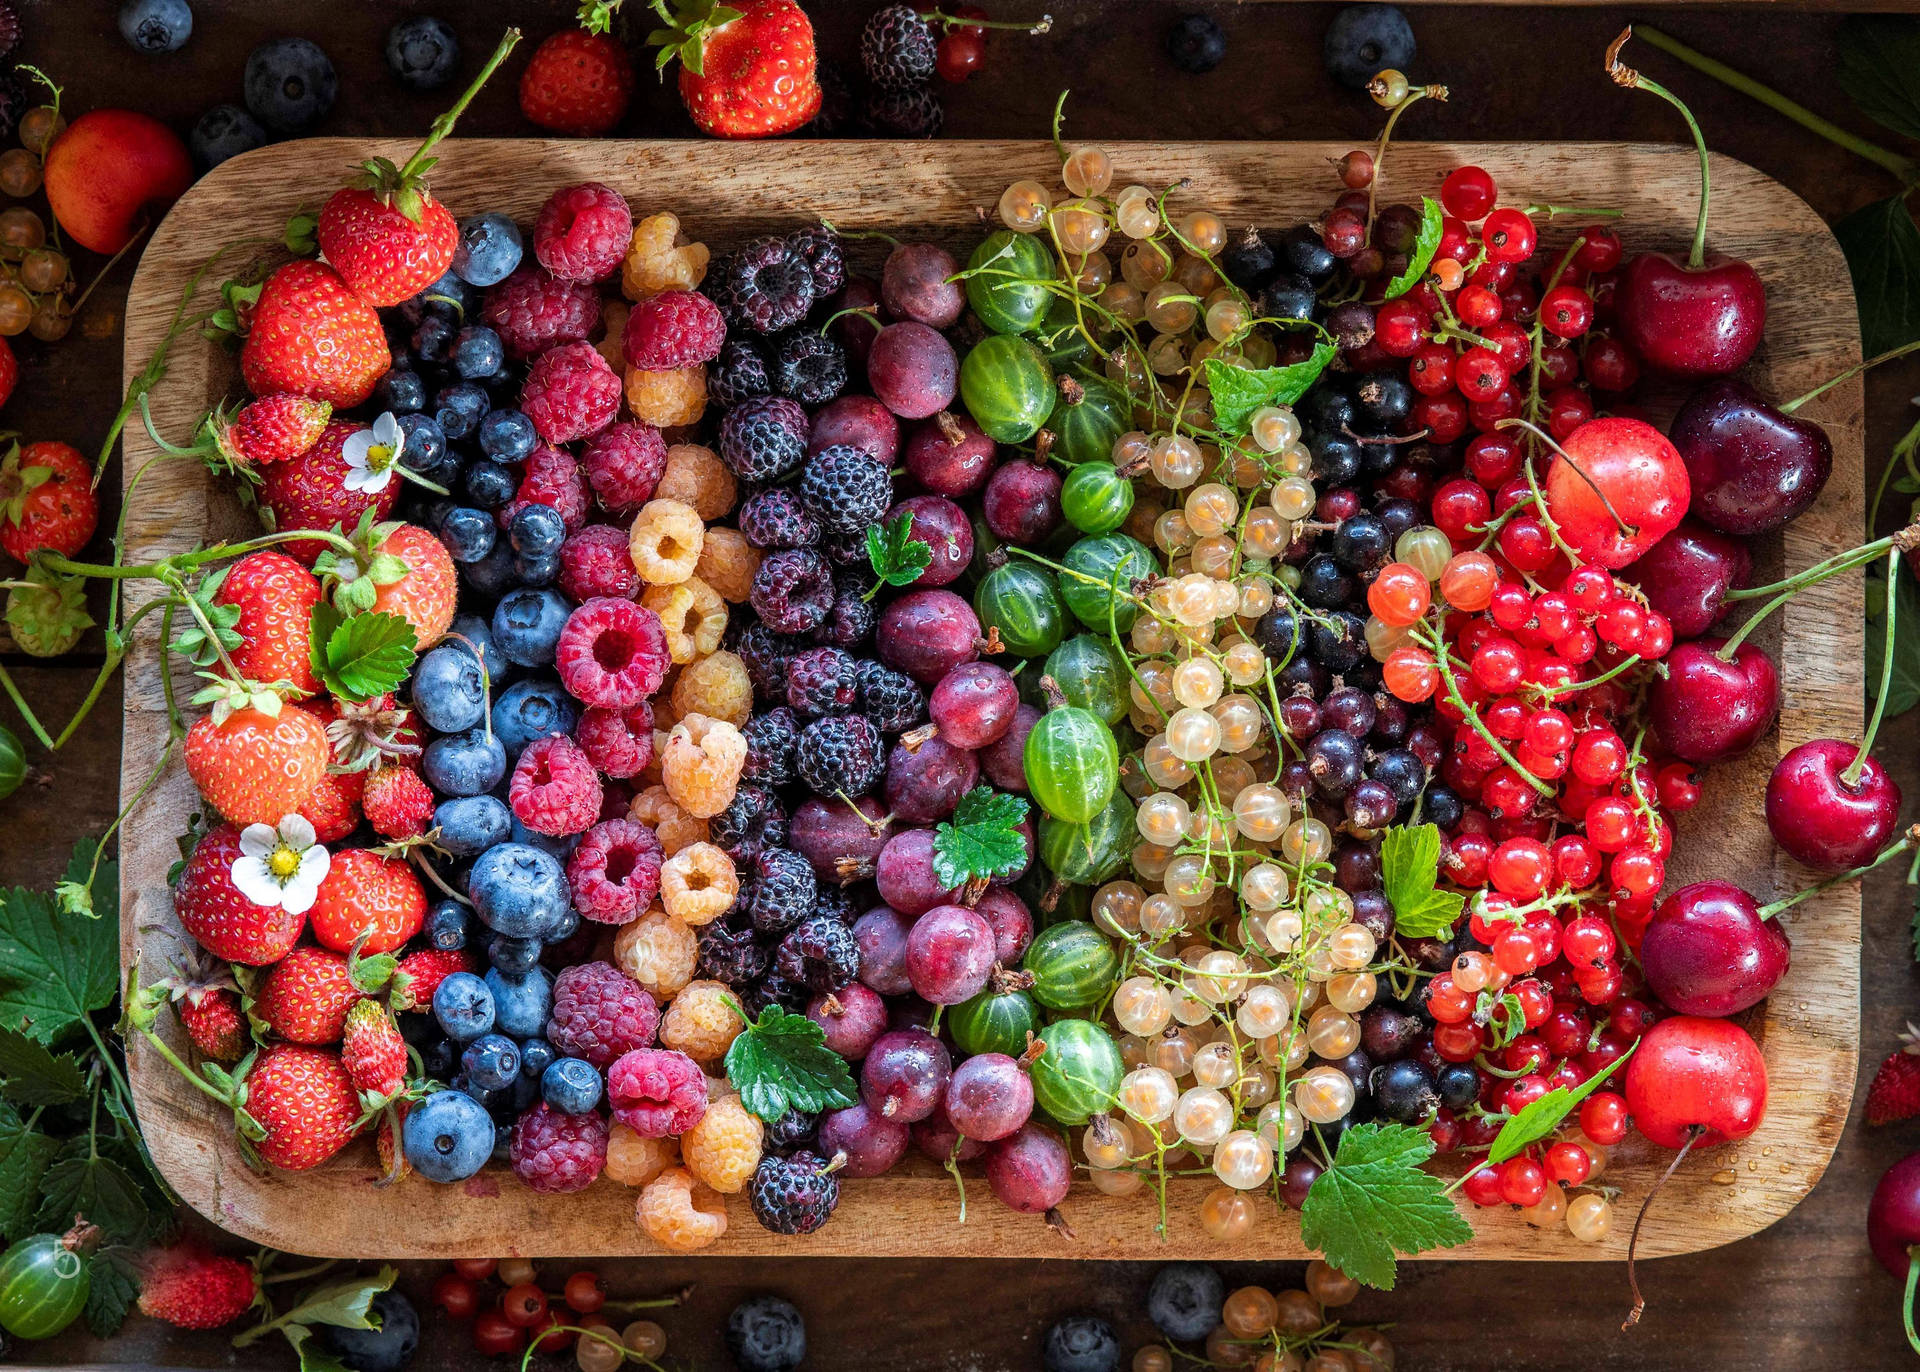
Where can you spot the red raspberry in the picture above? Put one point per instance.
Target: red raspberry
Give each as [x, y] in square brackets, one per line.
[551, 477]
[570, 392]
[657, 1092]
[620, 742]
[595, 562]
[397, 802]
[674, 329]
[420, 974]
[624, 464]
[615, 872]
[532, 311]
[599, 1012]
[582, 232]
[552, 1152]
[554, 788]
[612, 653]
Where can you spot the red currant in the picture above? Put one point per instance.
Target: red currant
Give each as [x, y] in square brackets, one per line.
[1610, 365]
[1601, 252]
[1522, 1182]
[494, 1336]
[1468, 193]
[456, 1295]
[959, 55]
[1603, 1117]
[1567, 1163]
[1477, 307]
[1566, 311]
[1483, 1187]
[1509, 236]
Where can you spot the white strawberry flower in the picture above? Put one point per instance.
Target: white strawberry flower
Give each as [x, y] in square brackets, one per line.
[281, 866]
[372, 454]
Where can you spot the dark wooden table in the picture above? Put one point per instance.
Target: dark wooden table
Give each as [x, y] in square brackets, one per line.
[1804, 1293]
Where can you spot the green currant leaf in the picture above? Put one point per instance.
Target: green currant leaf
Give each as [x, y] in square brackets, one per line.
[1239, 391]
[1410, 869]
[1880, 69]
[55, 970]
[32, 1074]
[1375, 1201]
[1536, 1121]
[83, 1182]
[982, 839]
[897, 557]
[1425, 243]
[1503, 1016]
[1882, 248]
[782, 1062]
[25, 1155]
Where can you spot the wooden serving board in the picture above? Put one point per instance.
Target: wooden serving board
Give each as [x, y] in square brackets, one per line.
[726, 191]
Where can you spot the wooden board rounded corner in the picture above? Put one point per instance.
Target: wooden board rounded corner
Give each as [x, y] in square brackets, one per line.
[1810, 1024]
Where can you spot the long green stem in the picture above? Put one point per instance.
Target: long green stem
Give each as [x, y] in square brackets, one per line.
[1819, 571]
[422, 159]
[1851, 777]
[1855, 370]
[1906, 1299]
[1624, 75]
[1472, 716]
[26, 711]
[1891, 851]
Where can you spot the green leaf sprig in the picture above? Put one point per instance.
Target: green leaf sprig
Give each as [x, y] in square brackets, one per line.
[359, 657]
[895, 555]
[1410, 868]
[982, 840]
[1238, 391]
[1375, 1200]
[781, 1062]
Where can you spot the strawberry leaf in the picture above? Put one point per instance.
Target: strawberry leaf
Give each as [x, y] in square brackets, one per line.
[896, 556]
[56, 970]
[781, 1062]
[34, 1075]
[112, 1284]
[982, 839]
[362, 657]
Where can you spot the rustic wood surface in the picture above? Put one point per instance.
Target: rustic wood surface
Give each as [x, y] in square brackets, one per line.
[1801, 1290]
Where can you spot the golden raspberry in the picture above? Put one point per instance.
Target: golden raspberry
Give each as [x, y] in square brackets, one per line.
[698, 884]
[724, 1147]
[658, 951]
[717, 686]
[653, 807]
[670, 398]
[634, 1159]
[692, 613]
[702, 1023]
[681, 1213]
[613, 323]
[660, 258]
[727, 563]
[665, 542]
[695, 475]
[701, 764]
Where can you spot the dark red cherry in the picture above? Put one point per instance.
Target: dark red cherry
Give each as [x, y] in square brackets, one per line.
[1687, 574]
[1893, 1216]
[1753, 466]
[1709, 951]
[1706, 709]
[1688, 319]
[1821, 819]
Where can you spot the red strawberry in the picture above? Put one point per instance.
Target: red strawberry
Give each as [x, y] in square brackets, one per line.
[1895, 1092]
[46, 500]
[275, 596]
[311, 492]
[270, 429]
[309, 334]
[334, 807]
[214, 1023]
[364, 893]
[373, 1051]
[426, 595]
[254, 767]
[421, 973]
[192, 1287]
[397, 802]
[305, 999]
[224, 922]
[385, 233]
[751, 75]
[303, 1103]
[578, 83]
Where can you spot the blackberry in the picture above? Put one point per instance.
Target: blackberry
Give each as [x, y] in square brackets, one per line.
[775, 989]
[892, 700]
[775, 519]
[793, 590]
[850, 622]
[820, 681]
[765, 653]
[845, 548]
[771, 740]
[841, 755]
[730, 953]
[810, 368]
[767, 286]
[819, 951]
[738, 374]
[897, 48]
[793, 1195]
[791, 1132]
[760, 439]
[847, 488]
[784, 890]
[840, 903]
[825, 256]
[906, 114]
[753, 822]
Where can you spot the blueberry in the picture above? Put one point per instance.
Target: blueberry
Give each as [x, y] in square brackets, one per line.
[468, 533]
[507, 436]
[527, 625]
[425, 445]
[222, 132]
[542, 570]
[1184, 1301]
[569, 920]
[522, 1094]
[472, 824]
[537, 529]
[491, 1061]
[449, 300]
[446, 925]
[488, 484]
[400, 392]
[571, 1086]
[1196, 44]
[488, 251]
[1081, 1343]
[1365, 40]
[432, 338]
[492, 575]
[422, 52]
[464, 764]
[441, 1055]
[388, 1347]
[447, 1137]
[463, 1005]
[460, 407]
[448, 690]
[535, 708]
[514, 956]
[518, 890]
[289, 84]
[477, 631]
[477, 352]
[536, 1055]
[156, 26]
[524, 1002]
[766, 1334]
[560, 846]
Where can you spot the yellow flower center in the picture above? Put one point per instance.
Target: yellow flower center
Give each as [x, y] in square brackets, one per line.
[379, 457]
[283, 862]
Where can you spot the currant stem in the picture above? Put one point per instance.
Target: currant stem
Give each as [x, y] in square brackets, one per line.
[1472, 716]
[416, 166]
[1624, 75]
[1892, 850]
[1855, 370]
[1851, 777]
[1044, 24]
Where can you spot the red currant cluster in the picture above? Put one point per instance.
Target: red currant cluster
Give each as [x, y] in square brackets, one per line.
[523, 1313]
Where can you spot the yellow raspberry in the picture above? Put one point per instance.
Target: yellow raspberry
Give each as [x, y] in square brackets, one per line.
[698, 884]
[667, 399]
[724, 1147]
[701, 764]
[681, 1213]
[701, 1022]
[692, 613]
[727, 563]
[613, 323]
[658, 951]
[653, 807]
[634, 1159]
[665, 542]
[695, 475]
[717, 685]
[659, 258]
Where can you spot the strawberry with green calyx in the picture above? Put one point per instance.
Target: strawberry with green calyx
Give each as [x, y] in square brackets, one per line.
[254, 757]
[46, 500]
[47, 612]
[385, 233]
[274, 428]
[206, 998]
[395, 569]
[307, 333]
[374, 1054]
[747, 70]
[367, 732]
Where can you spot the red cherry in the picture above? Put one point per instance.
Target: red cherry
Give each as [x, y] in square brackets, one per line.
[1687, 574]
[1753, 467]
[1692, 318]
[1616, 490]
[1710, 951]
[1820, 817]
[1692, 1075]
[1706, 709]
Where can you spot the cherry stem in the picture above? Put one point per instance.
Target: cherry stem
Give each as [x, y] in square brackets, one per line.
[1695, 1134]
[416, 166]
[1906, 1299]
[1851, 777]
[1818, 572]
[1043, 24]
[1855, 370]
[1891, 851]
[1623, 75]
[1903, 167]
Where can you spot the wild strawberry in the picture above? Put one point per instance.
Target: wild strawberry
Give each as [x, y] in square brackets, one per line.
[275, 596]
[384, 232]
[311, 492]
[303, 1103]
[305, 998]
[366, 894]
[366, 733]
[46, 500]
[374, 1053]
[1895, 1092]
[192, 1287]
[751, 75]
[207, 1000]
[421, 973]
[309, 334]
[220, 917]
[268, 430]
[254, 767]
[334, 807]
[577, 83]
[397, 802]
